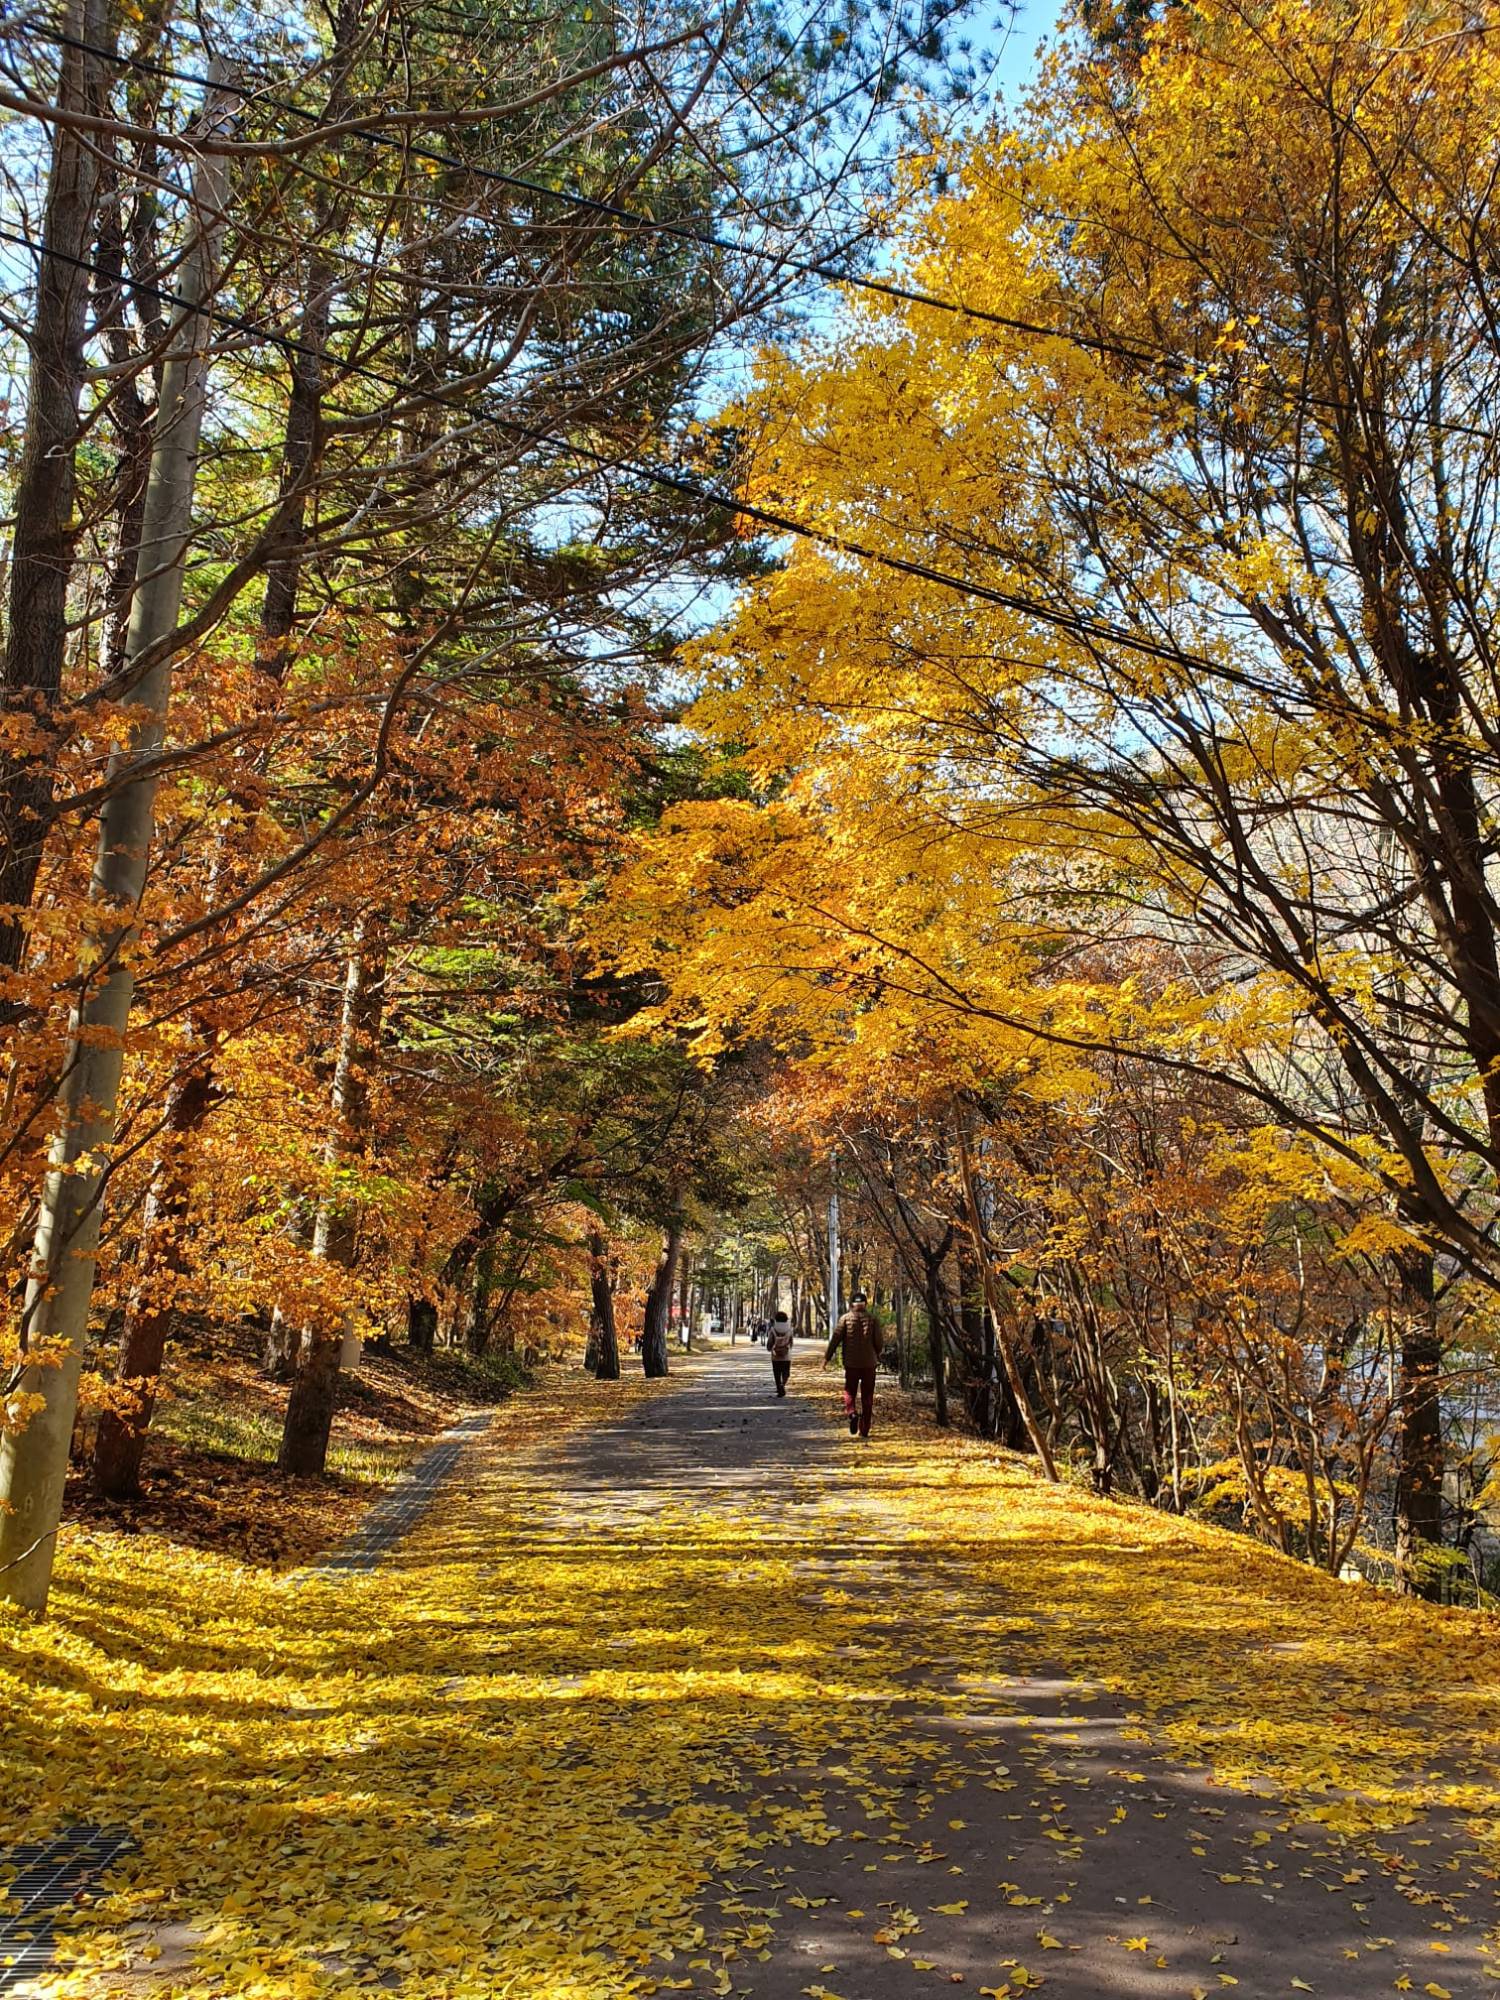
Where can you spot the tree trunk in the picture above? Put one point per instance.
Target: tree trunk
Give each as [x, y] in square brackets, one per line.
[1034, 1431]
[34, 1461]
[477, 1334]
[299, 446]
[43, 505]
[277, 618]
[309, 1408]
[935, 1354]
[421, 1325]
[606, 1337]
[121, 1440]
[279, 1347]
[684, 1295]
[969, 1320]
[658, 1303]
[1419, 1473]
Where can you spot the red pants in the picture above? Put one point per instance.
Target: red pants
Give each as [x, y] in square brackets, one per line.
[859, 1384]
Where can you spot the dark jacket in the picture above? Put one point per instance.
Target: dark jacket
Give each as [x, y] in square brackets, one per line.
[861, 1336]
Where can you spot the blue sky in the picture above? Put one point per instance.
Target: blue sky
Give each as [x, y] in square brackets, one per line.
[1017, 55]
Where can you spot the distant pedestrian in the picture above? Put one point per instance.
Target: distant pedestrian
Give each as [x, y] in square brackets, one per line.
[861, 1336]
[779, 1341]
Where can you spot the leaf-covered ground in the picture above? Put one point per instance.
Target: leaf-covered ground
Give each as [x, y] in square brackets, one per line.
[210, 1480]
[679, 1689]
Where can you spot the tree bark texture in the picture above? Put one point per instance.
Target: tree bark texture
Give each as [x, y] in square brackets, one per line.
[121, 1440]
[421, 1325]
[44, 504]
[1419, 1471]
[1006, 1346]
[310, 1401]
[659, 1301]
[935, 1355]
[34, 1460]
[606, 1335]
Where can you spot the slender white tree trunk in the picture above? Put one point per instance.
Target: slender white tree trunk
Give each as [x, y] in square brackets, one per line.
[34, 1460]
[309, 1410]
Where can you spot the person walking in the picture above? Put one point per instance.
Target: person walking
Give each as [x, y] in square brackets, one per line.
[779, 1342]
[861, 1337]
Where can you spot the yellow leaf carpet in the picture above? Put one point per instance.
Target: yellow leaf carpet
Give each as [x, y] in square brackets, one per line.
[677, 1689]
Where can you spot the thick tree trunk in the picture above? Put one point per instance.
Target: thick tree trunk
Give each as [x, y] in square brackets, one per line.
[121, 1440]
[310, 1401]
[34, 1460]
[477, 1333]
[1419, 1472]
[658, 1303]
[308, 1424]
[421, 1325]
[41, 567]
[282, 1335]
[605, 1334]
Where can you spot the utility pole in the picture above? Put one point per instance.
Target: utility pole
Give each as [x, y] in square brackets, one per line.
[833, 1248]
[34, 1460]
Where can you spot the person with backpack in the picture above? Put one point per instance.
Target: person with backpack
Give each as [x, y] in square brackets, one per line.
[861, 1336]
[779, 1345]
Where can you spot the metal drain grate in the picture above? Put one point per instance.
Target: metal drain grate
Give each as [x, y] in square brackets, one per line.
[390, 1518]
[50, 1878]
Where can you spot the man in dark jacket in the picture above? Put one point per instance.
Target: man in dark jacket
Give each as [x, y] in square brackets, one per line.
[861, 1337]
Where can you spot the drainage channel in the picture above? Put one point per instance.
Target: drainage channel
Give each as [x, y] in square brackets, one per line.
[400, 1509]
[51, 1877]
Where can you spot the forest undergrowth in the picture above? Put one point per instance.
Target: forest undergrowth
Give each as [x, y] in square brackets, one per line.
[210, 1477]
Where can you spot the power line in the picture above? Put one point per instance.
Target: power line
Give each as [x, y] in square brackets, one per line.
[667, 478]
[710, 238]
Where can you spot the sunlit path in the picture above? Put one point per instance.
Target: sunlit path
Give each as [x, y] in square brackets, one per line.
[704, 1697]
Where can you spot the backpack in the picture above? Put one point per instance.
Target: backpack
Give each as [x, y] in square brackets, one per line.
[779, 1339]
